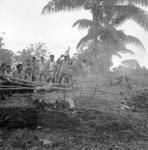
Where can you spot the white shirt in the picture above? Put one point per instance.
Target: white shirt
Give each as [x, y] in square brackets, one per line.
[52, 66]
[8, 74]
[41, 66]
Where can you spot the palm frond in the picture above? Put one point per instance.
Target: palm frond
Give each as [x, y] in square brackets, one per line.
[90, 35]
[122, 13]
[62, 5]
[131, 63]
[133, 40]
[127, 39]
[117, 54]
[125, 12]
[85, 39]
[127, 51]
[48, 8]
[83, 23]
[137, 2]
[141, 19]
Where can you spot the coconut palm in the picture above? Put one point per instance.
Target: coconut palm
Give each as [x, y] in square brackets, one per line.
[105, 33]
[97, 7]
[62, 5]
[115, 16]
[109, 19]
[110, 41]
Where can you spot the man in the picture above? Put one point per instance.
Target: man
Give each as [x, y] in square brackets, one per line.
[28, 74]
[42, 69]
[2, 69]
[27, 65]
[19, 73]
[8, 71]
[51, 69]
[35, 69]
[64, 69]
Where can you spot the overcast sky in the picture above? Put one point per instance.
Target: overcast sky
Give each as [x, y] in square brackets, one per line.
[23, 24]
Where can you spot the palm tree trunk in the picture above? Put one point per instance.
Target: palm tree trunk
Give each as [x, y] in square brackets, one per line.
[96, 24]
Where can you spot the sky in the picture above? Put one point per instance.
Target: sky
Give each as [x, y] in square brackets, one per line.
[23, 24]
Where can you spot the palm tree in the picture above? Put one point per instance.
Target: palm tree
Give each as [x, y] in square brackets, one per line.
[109, 19]
[107, 33]
[98, 9]
[110, 42]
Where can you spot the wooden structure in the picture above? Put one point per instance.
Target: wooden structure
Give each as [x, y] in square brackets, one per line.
[17, 113]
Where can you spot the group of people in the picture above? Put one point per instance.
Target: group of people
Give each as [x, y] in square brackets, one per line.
[39, 70]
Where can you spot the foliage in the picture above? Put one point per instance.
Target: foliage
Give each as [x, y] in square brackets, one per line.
[129, 67]
[1, 42]
[106, 16]
[110, 41]
[62, 5]
[37, 50]
[131, 63]
[139, 101]
[108, 34]
[6, 56]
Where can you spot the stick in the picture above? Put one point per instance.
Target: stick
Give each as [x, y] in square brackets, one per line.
[7, 86]
[14, 82]
[14, 89]
[64, 94]
[95, 90]
[24, 81]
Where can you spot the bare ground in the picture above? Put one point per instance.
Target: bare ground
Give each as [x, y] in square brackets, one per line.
[102, 124]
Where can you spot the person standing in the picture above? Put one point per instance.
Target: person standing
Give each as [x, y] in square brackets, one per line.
[64, 69]
[2, 69]
[51, 69]
[42, 69]
[35, 69]
[28, 70]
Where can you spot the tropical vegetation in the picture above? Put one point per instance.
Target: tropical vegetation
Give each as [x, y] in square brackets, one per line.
[36, 49]
[6, 55]
[106, 16]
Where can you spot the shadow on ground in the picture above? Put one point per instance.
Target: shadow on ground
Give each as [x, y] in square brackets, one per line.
[83, 129]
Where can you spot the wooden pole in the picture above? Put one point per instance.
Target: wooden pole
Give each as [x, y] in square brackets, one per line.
[95, 90]
[64, 94]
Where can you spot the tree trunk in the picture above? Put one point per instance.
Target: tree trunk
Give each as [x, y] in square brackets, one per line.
[96, 23]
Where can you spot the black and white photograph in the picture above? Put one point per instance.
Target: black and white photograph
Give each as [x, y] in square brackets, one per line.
[73, 74]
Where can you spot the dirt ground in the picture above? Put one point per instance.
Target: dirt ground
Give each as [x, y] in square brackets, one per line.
[101, 123]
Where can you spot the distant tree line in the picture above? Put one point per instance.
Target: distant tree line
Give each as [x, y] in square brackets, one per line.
[9, 57]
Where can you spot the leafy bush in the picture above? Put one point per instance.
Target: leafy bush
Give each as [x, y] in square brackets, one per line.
[139, 101]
